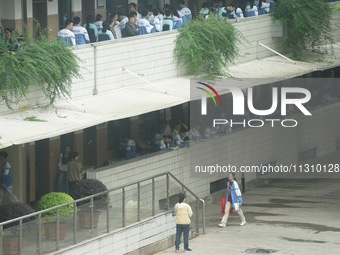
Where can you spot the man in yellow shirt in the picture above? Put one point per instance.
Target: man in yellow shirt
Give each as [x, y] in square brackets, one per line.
[74, 170]
[183, 213]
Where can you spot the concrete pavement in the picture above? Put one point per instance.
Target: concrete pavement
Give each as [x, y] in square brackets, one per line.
[286, 217]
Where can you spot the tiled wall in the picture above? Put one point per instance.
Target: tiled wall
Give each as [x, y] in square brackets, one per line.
[129, 239]
[53, 25]
[152, 57]
[149, 55]
[253, 146]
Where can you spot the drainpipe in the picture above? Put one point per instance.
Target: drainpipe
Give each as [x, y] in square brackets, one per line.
[95, 89]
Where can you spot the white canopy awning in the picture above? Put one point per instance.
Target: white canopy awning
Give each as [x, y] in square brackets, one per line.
[77, 114]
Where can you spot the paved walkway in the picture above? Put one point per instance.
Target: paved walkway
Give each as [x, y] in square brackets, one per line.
[289, 217]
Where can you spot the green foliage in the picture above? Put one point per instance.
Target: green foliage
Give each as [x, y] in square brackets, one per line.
[307, 25]
[207, 47]
[53, 199]
[45, 63]
[15, 210]
[88, 187]
[34, 118]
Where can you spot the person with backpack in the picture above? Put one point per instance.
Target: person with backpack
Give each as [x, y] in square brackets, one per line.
[183, 213]
[91, 29]
[168, 23]
[6, 178]
[105, 34]
[184, 12]
[233, 201]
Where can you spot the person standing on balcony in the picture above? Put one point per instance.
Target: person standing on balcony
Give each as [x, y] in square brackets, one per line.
[11, 42]
[67, 32]
[6, 178]
[105, 32]
[74, 170]
[131, 28]
[184, 12]
[143, 23]
[133, 8]
[98, 23]
[91, 29]
[64, 159]
[183, 214]
[233, 201]
[130, 148]
[80, 31]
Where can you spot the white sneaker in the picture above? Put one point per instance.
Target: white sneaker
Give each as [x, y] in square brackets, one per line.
[222, 225]
[243, 223]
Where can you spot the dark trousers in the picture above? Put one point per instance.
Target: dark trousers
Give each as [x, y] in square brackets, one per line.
[62, 183]
[71, 186]
[182, 228]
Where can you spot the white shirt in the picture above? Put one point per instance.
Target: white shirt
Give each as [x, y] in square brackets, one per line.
[65, 32]
[239, 13]
[98, 24]
[118, 31]
[108, 32]
[157, 24]
[123, 22]
[79, 30]
[177, 137]
[94, 29]
[266, 6]
[139, 16]
[186, 11]
[143, 22]
[131, 143]
[248, 9]
[194, 134]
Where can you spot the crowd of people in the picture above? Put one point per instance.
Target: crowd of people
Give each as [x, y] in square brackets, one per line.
[153, 20]
[148, 20]
[119, 25]
[170, 135]
[237, 9]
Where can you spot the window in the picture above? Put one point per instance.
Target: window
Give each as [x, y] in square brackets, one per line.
[149, 125]
[116, 131]
[64, 11]
[307, 154]
[117, 6]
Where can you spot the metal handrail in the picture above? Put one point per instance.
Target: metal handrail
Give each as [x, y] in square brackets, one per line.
[198, 200]
[91, 198]
[80, 200]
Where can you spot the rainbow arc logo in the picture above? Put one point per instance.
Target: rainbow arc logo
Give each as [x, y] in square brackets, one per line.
[211, 92]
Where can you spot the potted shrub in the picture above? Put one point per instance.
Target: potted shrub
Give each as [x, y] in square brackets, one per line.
[191, 51]
[53, 79]
[9, 212]
[65, 213]
[304, 29]
[87, 188]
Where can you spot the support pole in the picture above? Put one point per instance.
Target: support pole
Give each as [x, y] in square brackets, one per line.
[277, 53]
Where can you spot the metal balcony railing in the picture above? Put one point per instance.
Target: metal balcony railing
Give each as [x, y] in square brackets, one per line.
[108, 211]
